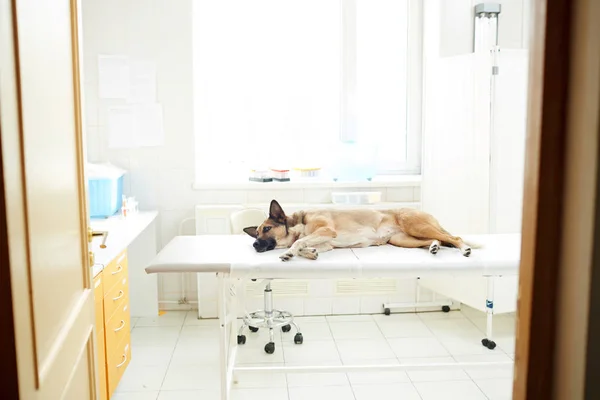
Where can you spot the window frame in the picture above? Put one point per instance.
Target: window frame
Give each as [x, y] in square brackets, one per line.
[414, 89]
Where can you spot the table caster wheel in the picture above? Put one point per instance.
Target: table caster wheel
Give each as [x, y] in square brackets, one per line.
[387, 311]
[490, 344]
[286, 328]
[446, 308]
[298, 339]
[270, 348]
[484, 342]
[253, 329]
[241, 339]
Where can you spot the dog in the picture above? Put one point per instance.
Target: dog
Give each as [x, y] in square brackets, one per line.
[308, 233]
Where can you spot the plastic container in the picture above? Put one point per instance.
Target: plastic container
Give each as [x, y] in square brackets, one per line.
[105, 190]
[260, 175]
[308, 173]
[280, 175]
[355, 197]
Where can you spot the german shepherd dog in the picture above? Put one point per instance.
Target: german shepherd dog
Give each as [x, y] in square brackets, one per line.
[308, 233]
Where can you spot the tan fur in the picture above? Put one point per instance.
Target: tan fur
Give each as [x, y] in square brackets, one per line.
[308, 233]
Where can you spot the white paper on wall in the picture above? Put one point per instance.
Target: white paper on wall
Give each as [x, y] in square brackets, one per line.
[149, 125]
[121, 127]
[113, 77]
[133, 126]
[142, 82]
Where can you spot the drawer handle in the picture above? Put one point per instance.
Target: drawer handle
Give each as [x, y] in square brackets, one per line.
[121, 294]
[119, 269]
[121, 327]
[124, 361]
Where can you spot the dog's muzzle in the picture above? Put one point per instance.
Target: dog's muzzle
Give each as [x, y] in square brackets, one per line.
[261, 245]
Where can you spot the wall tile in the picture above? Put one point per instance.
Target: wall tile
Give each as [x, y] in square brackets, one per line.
[346, 305]
[400, 194]
[283, 196]
[317, 195]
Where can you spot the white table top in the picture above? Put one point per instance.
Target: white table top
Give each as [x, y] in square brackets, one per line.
[234, 254]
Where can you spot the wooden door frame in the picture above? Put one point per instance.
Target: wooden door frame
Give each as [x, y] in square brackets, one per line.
[558, 210]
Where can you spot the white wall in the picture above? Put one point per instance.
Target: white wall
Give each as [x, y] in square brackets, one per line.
[161, 177]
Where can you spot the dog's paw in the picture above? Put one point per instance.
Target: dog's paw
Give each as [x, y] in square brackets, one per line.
[286, 256]
[466, 251]
[435, 247]
[310, 253]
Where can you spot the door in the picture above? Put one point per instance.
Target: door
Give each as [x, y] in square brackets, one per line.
[45, 202]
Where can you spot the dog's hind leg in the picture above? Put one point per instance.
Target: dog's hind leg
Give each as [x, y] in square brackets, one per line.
[409, 242]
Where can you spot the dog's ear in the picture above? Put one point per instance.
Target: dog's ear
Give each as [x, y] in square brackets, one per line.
[252, 231]
[276, 212]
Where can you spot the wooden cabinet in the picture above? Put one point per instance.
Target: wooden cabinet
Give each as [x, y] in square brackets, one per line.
[113, 324]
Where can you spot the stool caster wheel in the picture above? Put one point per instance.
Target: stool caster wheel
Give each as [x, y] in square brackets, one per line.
[241, 339]
[270, 348]
[446, 308]
[298, 339]
[286, 328]
[387, 311]
[490, 344]
[253, 329]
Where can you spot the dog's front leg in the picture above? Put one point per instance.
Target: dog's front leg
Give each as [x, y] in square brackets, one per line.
[308, 245]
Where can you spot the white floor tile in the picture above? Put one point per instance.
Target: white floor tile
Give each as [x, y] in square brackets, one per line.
[191, 377]
[321, 393]
[260, 394]
[417, 347]
[343, 330]
[142, 379]
[454, 390]
[260, 380]
[133, 322]
[318, 380]
[488, 372]
[453, 327]
[191, 318]
[253, 352]
[392, 391]
[378, 377]
[169, 318]
[352, 351]
[135, 396]
[434, 375]
[189, 394]
[399, 318]
[148, 356]
[349, 318]
[440, 315]
[311, 352]
[312, 330]
[404, 329]
[496, 389]
[196, 354]
[464, 346]
[155, 336]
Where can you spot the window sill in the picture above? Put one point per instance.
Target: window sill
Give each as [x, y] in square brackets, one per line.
[382, 181]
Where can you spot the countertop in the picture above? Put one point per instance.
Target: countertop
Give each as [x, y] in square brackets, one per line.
[121, 232]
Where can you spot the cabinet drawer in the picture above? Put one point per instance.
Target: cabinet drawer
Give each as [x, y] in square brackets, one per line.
[101, 365]
[98, 301]
[115, 271]
[117, 364]
[118, 327]
[114, 297]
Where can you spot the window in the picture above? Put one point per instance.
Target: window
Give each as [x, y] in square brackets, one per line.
[287, 82]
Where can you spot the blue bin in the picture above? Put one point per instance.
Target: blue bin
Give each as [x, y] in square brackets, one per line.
[104, 196]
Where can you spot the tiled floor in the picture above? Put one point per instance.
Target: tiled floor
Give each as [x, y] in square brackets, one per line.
[175, 357]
